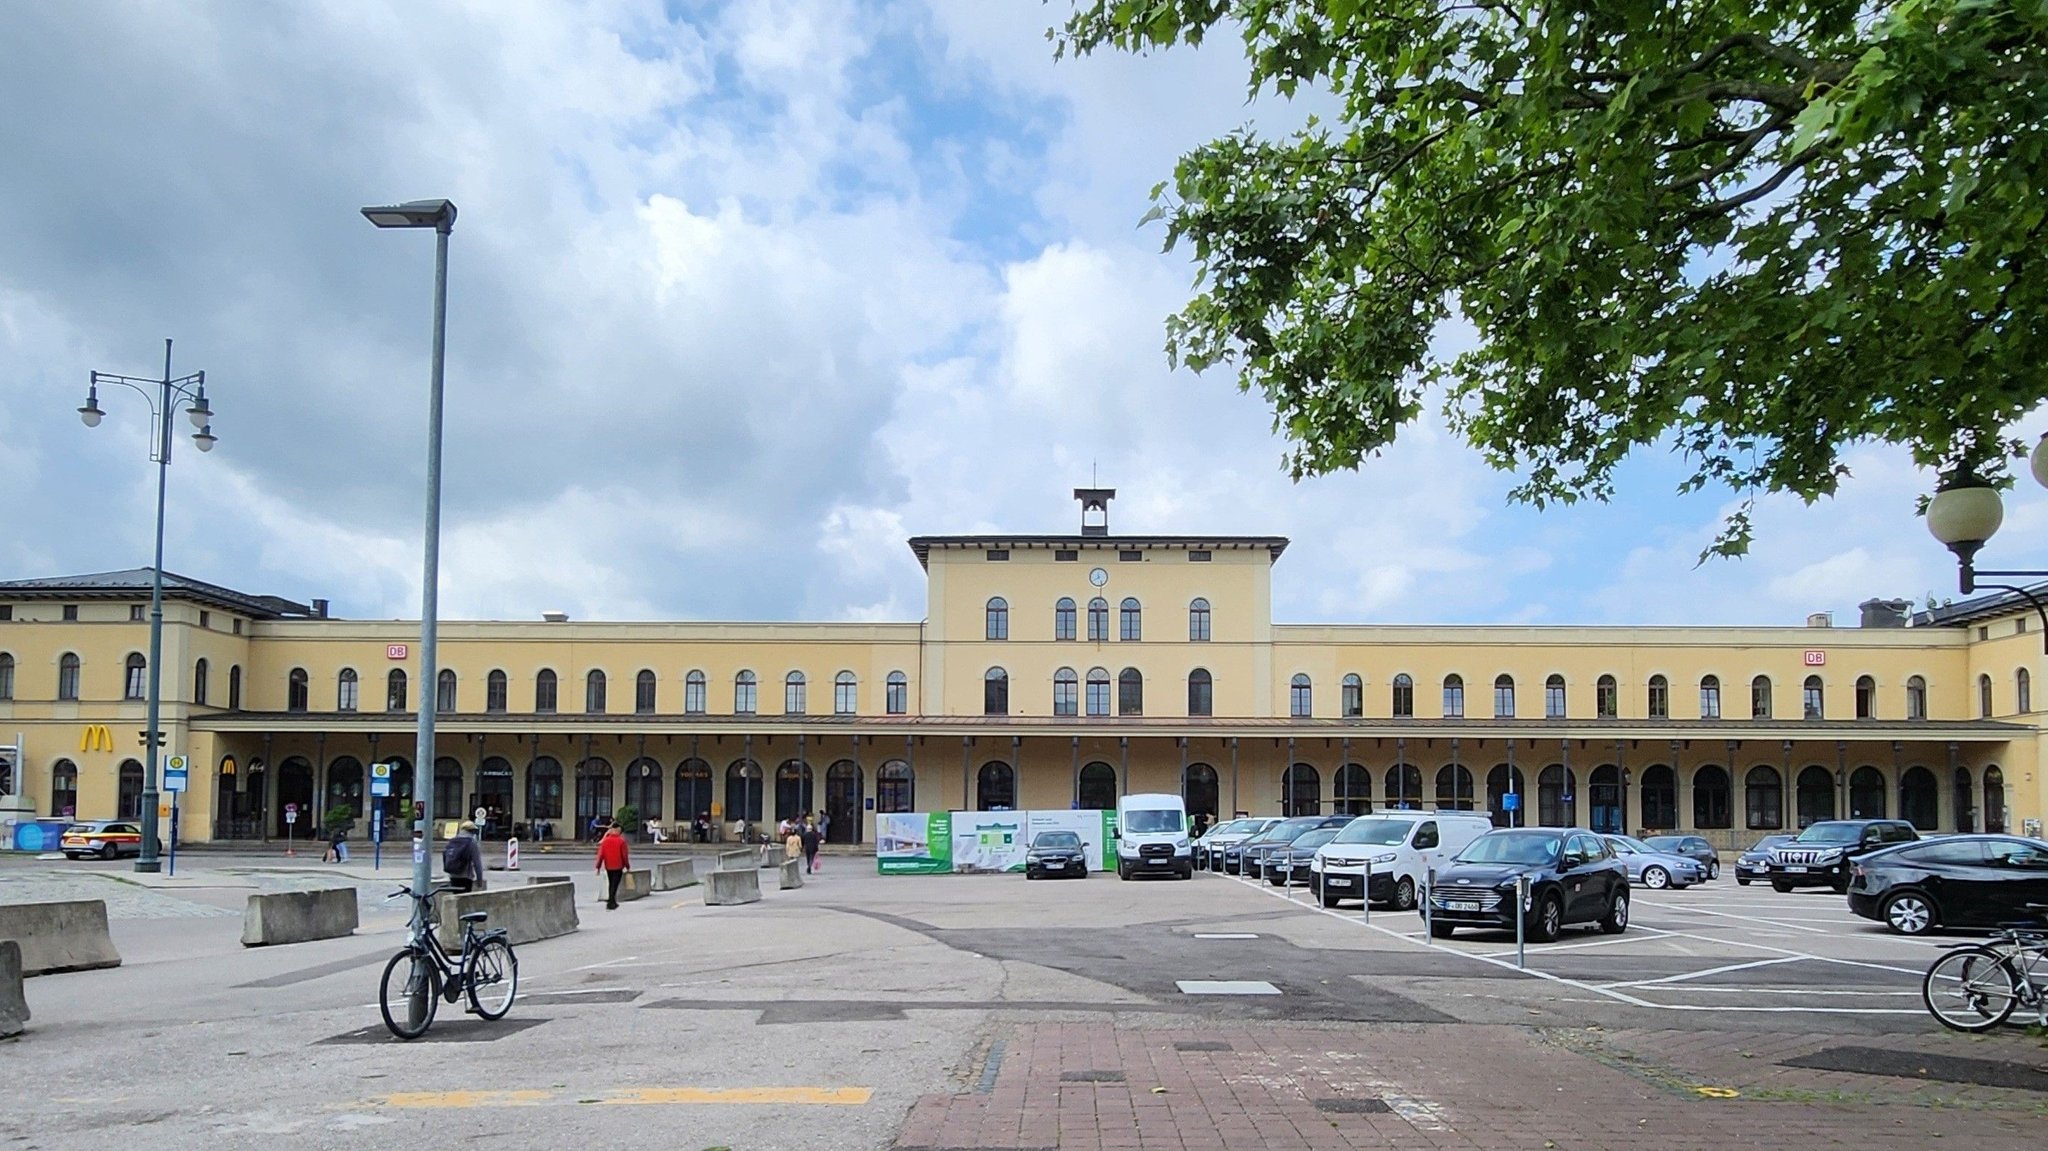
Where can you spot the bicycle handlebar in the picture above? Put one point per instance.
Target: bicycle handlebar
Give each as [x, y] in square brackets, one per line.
[427, 896]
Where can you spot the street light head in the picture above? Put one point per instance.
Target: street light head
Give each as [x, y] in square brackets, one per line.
[437, 214]
[200, 413]
[2040, 462]
[205, 438]
[91, 413]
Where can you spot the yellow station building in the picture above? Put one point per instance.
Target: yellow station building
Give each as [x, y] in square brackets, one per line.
[1050, 671]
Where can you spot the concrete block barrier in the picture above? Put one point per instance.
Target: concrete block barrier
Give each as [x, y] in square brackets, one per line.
[675, 874]
[635, 884]
[745, 859]
[13, 1004]
[722, 888]
[536, 911]
[792, 874]
[68, 936]
[299, 916]
[536, 880]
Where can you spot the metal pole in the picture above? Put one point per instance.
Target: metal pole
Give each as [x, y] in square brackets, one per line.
[1428, 897]
[153, 735]
[1364, 904]
[1521, 919]
[430, 588]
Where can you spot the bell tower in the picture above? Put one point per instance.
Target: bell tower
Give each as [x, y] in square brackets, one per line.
[1095, 509]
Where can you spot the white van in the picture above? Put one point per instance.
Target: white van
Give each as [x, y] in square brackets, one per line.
[1402, 847]
[1152, 837]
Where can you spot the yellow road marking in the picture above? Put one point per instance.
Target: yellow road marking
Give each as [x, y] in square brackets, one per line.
[460, 1100]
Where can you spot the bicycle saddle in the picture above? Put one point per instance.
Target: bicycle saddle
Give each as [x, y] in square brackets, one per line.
[475, 916]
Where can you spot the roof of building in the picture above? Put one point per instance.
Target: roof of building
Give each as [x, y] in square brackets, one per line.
[1979, 608]
[923, 546]
[133, 581]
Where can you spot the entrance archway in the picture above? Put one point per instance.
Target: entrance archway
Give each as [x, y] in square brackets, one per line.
[1404, 787]
[1604, 800]
[593, 793]
[1354, 790]
[344, 788]
[295, 790]
[1920, 799]
[693, 792]
[1965, 801]
[1097, 789]
[1301, 790]
[1502, 782]
[743, 791]
[1866, 793]
[493, 790]
[1994, 800]
[1198, 789]
[793, 790]
[844, 790]
[1816, 795]
[643, 788]
[995, 788]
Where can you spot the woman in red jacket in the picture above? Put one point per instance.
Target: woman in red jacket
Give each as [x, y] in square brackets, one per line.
[611, 859]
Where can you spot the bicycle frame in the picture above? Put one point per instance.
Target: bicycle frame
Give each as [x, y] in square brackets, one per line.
[455, 974]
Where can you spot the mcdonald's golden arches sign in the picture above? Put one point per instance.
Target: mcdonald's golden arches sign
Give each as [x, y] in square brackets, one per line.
[95, 737]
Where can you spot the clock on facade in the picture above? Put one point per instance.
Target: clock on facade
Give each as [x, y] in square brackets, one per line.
[1098, 577]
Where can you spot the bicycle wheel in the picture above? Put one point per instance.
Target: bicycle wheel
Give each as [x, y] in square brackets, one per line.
[1970, 989]
[493, 979]
[410, 993]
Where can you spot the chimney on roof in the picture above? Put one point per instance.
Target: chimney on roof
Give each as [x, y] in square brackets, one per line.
[1883, 612]
[319, 609]
[1821, 619]
[555, 616]
[1095, 501]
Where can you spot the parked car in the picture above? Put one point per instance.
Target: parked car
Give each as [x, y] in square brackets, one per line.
[1574, 877]
[1290, 864]
[1151, 836]
[1692, 847]
[1655, 869]
[1056, 853]
[1756, 862]
[1209, 848]
[1954, 881]
[106, 838]
[1251, 855]
[1400, 847]
[1822, 854]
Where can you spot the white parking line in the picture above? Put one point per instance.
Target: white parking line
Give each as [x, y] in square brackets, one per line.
[1648, 933]
[1745, 918]
[1690, 975]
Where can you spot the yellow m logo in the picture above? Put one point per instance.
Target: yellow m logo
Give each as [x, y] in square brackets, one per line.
[95, 737]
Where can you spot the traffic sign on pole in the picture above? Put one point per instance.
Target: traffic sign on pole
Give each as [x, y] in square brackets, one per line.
[175, 773]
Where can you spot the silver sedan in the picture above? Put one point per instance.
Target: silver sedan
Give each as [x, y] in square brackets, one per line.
[1655, 869]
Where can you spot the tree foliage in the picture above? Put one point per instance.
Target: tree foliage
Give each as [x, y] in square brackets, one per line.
[1758, 230]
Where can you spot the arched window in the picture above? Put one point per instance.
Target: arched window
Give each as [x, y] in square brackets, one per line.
[198, 679]
[1994, 800]
[845, 694]
[347, 690]
[1095, 789]
[1984, 696]
[1920, 799]
[1710, 701]
[1711, 804]
[1660, 798]
[645, 687]
[1130, 692]
[897, 694]
[1504, 697]
[449, 790]
[128, 801]
[1063, 619]
[544, 692]
[1066, 692]
[1916, 697]
[1966, 801]
[895, 787]
[1454, 788]
[1130, 620]
[1553, 697]
[693, 791]
[995, 692]
[593, 692]
[395, 690]
[138, 677]
[1301, 790]
[1555, 799]
[1603, 797]
[495, 685]
[1502, 782]
[793, 794]
[1201, 692]
[1404, 696]
[997, 619]
[234, 687]
[1866, 697]
[7, 675]
[1866, 793]
[1098, 620]
[345, 786]
[294, 692]
[1659, 702]
[795, 698]
[1813, 701]
[445, 690]
[1763, 791]
[745, 698]
[696, 699]
[64, 789]
[1354, 790]
[2024, 682]
[1606, 697]
[1351, 693]
[643, 787]
[1404, 786]
[1198, 621]
[1301, 696]
[996, 787]
[1454, 696]
[1815, 795]
[743, 791]
[1098, 691]
[1760, 697]
[1199, 791]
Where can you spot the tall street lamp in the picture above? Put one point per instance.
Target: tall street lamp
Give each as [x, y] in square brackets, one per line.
[440, 216]
[1966, 513]
[161, 395]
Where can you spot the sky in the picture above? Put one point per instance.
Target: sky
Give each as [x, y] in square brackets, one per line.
[741, 296]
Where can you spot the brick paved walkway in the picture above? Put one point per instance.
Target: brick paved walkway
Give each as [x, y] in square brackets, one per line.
[1098, 1087]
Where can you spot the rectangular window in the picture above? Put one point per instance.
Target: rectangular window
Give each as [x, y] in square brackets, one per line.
[67, 679]
[1301, 700]
[1553, 701]
[643, 695]
[138, 680]
[444, 694]
[1202, 697]
[1660, 706]
[1984, 633]
[793, 697]
[1130, 695]
[743, 698]
[1760, 698]
[1198, 557]
[1065, 556]
[544, 694]
[1710, 701]
[1504, 700]
[2019, 626]
[1454, 701]
[898, 697]
[1066, 697]
[494, 693]
[1404, 698]
[206, 619]
[70, 613]
[238, 627]
[1607, 699]
[135, 613]
[1133, 555]
[1098, 697]
[693, 697]
[6, 611]
[998, 555]
[1354, 698]
[845, 697]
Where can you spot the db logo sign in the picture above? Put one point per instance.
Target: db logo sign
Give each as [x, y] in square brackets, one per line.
[400, 651]
[1816, 659]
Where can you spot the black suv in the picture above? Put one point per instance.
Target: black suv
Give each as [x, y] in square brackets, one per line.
[1822, 854]
[1574, 877]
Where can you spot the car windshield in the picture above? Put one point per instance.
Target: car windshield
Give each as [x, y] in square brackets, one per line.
[1770, 841]
[1233, 827]
[83, 827]
[1512, 847]
[1285, 830]
[1629, 843]
[1831, 833]
[1315, 838]
[1378, 832]
[1152, 820]
[1657, 842]
[1056, 839]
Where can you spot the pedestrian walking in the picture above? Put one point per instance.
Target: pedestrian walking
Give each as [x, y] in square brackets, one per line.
[612, 859]
[809, 839]
[463, 859]
[792, 843]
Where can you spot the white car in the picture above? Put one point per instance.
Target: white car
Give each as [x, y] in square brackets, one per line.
[1398, 849]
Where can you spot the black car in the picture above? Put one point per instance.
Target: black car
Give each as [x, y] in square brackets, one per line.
[1693, 847]
[1955, 881]
[1056, 853]
[1249, 857]
[1822, 854]
[1756, 862]
[1574, 877]
[1288, 865]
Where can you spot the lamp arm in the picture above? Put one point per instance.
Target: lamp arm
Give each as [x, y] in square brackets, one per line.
[2040, 608]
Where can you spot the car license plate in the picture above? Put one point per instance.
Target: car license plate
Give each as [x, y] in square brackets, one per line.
[1462, 905]
[1799, 870]
[1056, 865]
[1337, 880]
[1159, 862]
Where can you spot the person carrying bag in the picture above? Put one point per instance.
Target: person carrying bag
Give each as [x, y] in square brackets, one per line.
[612, 859]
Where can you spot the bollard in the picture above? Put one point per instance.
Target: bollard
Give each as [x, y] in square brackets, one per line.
[1521, 919]
[1428, 897]
[512, 854]
[1365, 904]
[1290, 877]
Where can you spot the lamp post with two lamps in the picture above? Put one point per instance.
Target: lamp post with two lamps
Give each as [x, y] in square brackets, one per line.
[1966, 513]
[161, 395]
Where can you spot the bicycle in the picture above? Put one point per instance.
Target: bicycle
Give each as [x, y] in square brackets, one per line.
[1977, 986]
[486, 964]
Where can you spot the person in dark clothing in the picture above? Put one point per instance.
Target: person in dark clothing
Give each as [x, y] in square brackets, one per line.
[810, 837]
[463, 859]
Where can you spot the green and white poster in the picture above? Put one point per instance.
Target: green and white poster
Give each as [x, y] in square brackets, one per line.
[914, 843]
[986, 841]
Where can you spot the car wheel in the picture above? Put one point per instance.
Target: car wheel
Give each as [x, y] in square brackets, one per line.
[1781, 887]
[1549, 921]
[1404, 894]
[110, 852]
[1656, 878]
[1616, 920]
[1910, 913]
[1032, 873]
[1440, 930]
[1713, 869]
[1742, 881]
[1329, 900]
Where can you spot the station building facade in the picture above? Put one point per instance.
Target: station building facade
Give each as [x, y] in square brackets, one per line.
[1049, 671]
